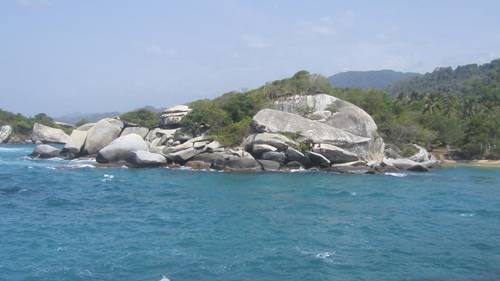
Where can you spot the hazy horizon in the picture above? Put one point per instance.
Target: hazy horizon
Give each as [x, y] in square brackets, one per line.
[62, 57]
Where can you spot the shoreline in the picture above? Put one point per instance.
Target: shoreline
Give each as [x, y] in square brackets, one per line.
[471, 163]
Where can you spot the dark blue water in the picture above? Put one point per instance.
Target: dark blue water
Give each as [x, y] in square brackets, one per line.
[63, 220]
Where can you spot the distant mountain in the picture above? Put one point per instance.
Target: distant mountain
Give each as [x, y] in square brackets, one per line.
[377, 79]
[73, 118]
[463, 80]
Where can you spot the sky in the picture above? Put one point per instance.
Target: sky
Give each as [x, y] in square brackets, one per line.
[63, 56]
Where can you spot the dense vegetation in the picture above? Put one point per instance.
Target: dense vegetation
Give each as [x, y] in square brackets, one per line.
[463, 114]
[378, 79]
[23, 125]
[142, 117]
[454, 108]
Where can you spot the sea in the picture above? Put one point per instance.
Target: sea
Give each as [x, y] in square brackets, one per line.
[68, 220]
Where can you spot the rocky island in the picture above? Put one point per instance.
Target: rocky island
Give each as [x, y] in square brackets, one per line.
[312, 131]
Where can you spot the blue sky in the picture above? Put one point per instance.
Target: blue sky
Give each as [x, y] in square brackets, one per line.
[62, 56]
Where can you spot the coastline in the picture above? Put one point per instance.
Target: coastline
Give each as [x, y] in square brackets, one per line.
[471, 163]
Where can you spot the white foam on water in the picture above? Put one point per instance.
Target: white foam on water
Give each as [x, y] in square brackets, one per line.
[467, 215]
[80, 166]
[108, 177]
[354, 193]
[324, 255]
[399, 175]
[164, 278]
[10, 149]
[51, 168]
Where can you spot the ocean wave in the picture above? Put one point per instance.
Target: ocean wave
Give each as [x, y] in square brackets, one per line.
[468, 215]
[399, 175]
[164, 278]
[10, 149]
[107, 177]
[80, 166]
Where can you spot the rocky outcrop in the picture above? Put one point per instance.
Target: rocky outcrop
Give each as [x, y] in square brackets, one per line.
[280, 142]
[85, 127]
[274, 156]
[159, 137]
[334, 153]
[45, 151]
[182, 156]
[5, 132]
[293, 155]
[274, 121]
[421, 156]
[141, 131]
[243, 165]
[318, 160]
[343, 115]
[172, 116]
[75, 143]
[143, 159]
[269, 165]
[46, 134]
[119, 148]
[101, 134]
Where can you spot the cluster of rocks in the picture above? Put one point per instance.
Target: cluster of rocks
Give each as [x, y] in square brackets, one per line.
[300, 132]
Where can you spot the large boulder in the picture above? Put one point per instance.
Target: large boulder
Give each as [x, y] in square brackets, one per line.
[119, 148]
[158, 136]
[45, 151]
[344, 115]
[142, 159]
[85, 127]
[334, 153]
[172, 116]
[5, 132]
[280, 142]
[318, 159]
[421, 156]
[274, 121]
[269, 165]
[243, 165]
[274, 156]
[258, 149]
[293, 155]
[46, 134]
[197, 143]
[100, 135]
[75, 144]
[182, 156]
[141, 131]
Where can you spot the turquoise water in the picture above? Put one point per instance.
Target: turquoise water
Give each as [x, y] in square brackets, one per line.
[64, 220]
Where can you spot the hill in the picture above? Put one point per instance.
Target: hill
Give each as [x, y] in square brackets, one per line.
[463, 80]
[377, 79]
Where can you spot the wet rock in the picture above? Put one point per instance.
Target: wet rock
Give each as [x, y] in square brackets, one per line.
[269, 165]
[45, 151]
[74, 145]
[144, 159]
[119, 149]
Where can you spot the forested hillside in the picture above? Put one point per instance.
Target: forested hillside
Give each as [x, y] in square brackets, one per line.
[376, 79]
